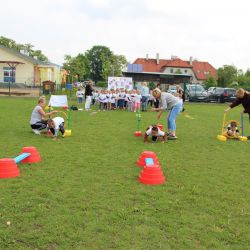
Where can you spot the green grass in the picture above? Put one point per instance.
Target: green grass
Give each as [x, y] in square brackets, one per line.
[85, 194]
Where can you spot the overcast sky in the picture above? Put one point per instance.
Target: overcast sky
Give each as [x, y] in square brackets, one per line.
[217, 31]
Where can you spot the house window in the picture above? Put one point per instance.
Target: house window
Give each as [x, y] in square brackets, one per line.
[171, 71]
[185, 71]
[9, 75]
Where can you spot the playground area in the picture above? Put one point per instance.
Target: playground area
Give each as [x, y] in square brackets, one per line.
[85, 193]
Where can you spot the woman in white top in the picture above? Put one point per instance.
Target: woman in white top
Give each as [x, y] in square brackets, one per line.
[168, 102]
[37, 121]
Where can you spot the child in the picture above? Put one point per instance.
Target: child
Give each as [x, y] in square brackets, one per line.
[55, 125]
[156, 133]
[112, 99]
[137, 101]
[102, 100]
[121, 100]
[232, 129]
[79, 95]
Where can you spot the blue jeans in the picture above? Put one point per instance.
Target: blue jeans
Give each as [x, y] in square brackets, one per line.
[172, 116]
[144, 103]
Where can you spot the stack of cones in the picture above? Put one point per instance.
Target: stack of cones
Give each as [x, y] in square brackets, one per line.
[151, 174]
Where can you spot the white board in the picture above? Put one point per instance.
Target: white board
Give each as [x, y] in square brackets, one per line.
[58, 101]
[120, 83]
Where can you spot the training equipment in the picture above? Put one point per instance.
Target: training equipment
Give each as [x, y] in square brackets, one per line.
[138, 116]
[151, 173]
[141, 162]
[160, 126]
[224, 132]
[61, 101]
[8, 166]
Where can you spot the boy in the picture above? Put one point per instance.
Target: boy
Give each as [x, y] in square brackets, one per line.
[55, 125]
[156, 133]
[79, 95]
[232, 129]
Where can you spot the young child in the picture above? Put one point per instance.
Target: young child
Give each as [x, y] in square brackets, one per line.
[55, 125]
[156, 134]
[232, 129]
[137, 101]
[112, 99]
[79, 95]
[102, 100]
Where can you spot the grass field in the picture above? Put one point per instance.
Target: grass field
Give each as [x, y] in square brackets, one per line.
[85, 194]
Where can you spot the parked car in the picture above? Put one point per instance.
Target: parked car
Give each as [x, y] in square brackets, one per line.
[222, 95]
[195, 92]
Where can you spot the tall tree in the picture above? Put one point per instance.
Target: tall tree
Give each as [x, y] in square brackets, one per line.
[226, 75]
[100, 62]
[76, 66]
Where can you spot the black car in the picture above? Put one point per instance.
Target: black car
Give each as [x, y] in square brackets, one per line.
[222, 95]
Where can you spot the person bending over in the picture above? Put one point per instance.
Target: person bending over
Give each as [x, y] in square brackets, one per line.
[55, 125]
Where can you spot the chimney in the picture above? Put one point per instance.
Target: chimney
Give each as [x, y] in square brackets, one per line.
[146, 56]
[191, 60]
[157, 58]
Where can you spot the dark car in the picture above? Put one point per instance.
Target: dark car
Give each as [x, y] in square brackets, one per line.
[222, 95]
[195, 92]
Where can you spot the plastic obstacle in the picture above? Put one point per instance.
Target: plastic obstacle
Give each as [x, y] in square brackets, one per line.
[138, 133]
[61, 101]
[151, 173]
[8, 166]
[224, 135]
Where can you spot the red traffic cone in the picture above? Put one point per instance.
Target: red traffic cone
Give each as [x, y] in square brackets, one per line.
[34, 155]
[147, 154]
[160, 126]
[8, 168]
[152, 175]
[138, 133]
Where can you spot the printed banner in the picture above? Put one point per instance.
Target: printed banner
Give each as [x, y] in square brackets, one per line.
[58, 101]
[120, 83]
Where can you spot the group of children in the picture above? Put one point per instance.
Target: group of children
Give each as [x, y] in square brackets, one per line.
[120, 99]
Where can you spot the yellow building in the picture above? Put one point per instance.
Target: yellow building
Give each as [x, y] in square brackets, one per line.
[17, 67]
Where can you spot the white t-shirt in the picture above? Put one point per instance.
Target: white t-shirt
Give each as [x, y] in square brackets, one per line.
[160, 132]
[102, 98]
[36, 116]
[79, 94]
[137, 98]
[58, 121]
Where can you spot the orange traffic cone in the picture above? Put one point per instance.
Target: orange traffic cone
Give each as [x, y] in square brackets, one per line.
[8, 168]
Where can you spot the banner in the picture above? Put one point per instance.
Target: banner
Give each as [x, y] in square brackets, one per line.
[58, 101]
[120, 83]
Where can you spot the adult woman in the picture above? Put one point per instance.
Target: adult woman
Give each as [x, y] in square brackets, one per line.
[37, 121]
[243, 97]
[172, 103]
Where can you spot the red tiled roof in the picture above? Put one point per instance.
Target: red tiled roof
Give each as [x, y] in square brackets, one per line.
[150, 65]
[203, 69]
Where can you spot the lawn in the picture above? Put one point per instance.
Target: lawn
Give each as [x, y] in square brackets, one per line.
[84, 194]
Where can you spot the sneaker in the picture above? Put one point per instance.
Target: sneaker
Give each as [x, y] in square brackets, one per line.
[36, 131]
[172, 137]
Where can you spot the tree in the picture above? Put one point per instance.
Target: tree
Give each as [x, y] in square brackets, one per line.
[226, 75]
[76, 66]
[100, 62]
[119, 63]
[210, 82]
